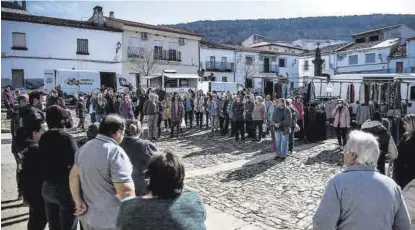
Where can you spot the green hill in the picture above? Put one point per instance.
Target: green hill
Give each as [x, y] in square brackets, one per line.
[290, 29]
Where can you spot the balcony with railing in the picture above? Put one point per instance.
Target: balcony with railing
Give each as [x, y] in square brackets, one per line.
[272, 68]
[402, 70]
[220, 66]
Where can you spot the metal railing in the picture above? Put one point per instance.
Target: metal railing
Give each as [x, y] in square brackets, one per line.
[134, 52]
[220, 66]
[272, 68]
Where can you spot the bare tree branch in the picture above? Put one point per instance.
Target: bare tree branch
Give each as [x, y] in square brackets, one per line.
[142, 61]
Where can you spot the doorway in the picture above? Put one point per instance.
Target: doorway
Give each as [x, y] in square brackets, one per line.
[109, 80]
[266, 65]
[268, 87]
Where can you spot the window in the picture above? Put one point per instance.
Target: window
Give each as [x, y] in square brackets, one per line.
[82, 47]
[412, 93]
[370, 58]
[173, 52]
[399, 67]
[17, 78]
[133, 50]
[184, 83]
[281, 62]
[144, 36]
[374, 38]
[360, 40]
[274, 59]
[353, 60]
[224, 79]
[181, 41]
[19, 41]
[158, 53]
[248, 60]
[306, 66]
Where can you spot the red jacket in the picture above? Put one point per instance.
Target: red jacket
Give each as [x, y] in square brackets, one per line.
[300, 110]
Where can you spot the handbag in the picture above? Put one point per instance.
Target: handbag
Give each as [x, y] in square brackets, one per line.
[297, 128]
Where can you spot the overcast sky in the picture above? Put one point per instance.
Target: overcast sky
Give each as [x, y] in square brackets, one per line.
[172, 12]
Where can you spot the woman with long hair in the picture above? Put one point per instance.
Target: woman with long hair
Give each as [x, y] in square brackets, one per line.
[166, 112]
[127, 107]
[177, 111]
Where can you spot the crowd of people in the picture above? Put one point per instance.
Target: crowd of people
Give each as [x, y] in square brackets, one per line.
[115, 179]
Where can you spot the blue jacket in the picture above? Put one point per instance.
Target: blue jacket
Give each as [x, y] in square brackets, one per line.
[213, 108]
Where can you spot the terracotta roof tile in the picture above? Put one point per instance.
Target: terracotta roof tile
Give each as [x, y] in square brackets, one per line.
[53, 21]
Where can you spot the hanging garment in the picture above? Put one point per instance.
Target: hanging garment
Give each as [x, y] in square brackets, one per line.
[348, 94]
[363, 114]
[398, 97]
[379, 96]
[329, 107]
[367, 93]
[362, 93]
[352, 93]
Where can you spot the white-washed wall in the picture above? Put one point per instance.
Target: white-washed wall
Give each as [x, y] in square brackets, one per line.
[380, 65]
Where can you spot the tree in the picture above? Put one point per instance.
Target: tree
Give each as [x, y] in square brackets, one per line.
[247, 67]
[141, 61]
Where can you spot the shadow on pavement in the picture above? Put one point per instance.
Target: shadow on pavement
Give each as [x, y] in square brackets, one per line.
[13, 217]
[14, 222]
[251, 171]
[328, 156]
[11, 206]
[9, 201]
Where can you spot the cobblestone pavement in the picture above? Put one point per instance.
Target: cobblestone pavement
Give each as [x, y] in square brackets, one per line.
[272, 194]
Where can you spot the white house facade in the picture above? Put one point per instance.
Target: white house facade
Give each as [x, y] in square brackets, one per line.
[218, 62]
[171, 49]
[32, 44]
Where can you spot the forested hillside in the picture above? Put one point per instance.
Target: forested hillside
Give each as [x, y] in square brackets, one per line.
[337, 27]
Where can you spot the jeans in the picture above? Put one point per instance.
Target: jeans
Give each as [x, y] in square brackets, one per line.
[93, 117]
[59, 207]
[152, 125]
[207, 119]
[281, 144]
[98, 117]
[37, 215]
[188, 115]
[225, 127]
[214, 122]
[258, 124]
[199, 119]
[291, 141]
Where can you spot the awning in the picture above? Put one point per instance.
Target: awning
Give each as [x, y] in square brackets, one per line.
[182, 76]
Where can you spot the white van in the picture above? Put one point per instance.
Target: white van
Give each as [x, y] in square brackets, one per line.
[220, 87]
[85, 81]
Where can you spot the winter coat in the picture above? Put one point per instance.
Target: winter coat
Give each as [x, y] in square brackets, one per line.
[166, 105]
[294, 116]
[117, 107]
[150, 108]
[229, 109]
[52, 101]
[100, 109]
[387, 146]
[238, 111]
[260, 112]
[110, 104]
[249, 108]
[341, 117]
[300, 109]
[81, 109]
[127, 110]
[270, 113]
[409, 196]
[8, 97]
[177, 114]
[213, 108]
[199, 104]
[141, 101]
[282, 116]
[404, 165]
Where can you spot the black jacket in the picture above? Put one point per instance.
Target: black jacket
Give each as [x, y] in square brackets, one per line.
[404, 167]
[31, 174]
[380, 132]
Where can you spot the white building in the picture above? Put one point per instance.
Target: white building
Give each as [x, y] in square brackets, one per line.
[260, 42]
[311, 44]
[32, 44]
[218, 61]
[151, 51]
[402, 59]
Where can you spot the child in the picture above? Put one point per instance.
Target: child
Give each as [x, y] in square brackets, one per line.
[81, 111]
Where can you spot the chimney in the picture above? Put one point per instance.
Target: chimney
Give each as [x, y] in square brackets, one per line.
[24, 4]
[111, 14]
[98, 16]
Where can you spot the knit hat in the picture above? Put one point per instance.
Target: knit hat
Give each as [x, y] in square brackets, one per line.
[93, 130]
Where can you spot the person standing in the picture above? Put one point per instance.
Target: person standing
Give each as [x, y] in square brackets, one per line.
[117, 104]
[208, 98]
[341, 121]
[80, 111]
[127, 108]
[142, 99]
[282, 124]
[360, 197]
[213, 108]
[139, 151]
[31, 175]
[230, 115]
[100, 107]
[259, 116]
[270, 121]
[238, 117]
[151, 110]
[199, 108]
[90, 104]
[177, 109]
[225, 115]
[8, 98]
[294, 118]
[249, 108]
[189, 107]
[53, 98]
[166, 106]
[300, 122]
[101, 176]
[57, 149]
[404, 165]
[109, 97]
[388, 150]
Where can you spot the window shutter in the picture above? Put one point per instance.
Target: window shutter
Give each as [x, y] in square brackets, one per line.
[179, 56]
[19, 40]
